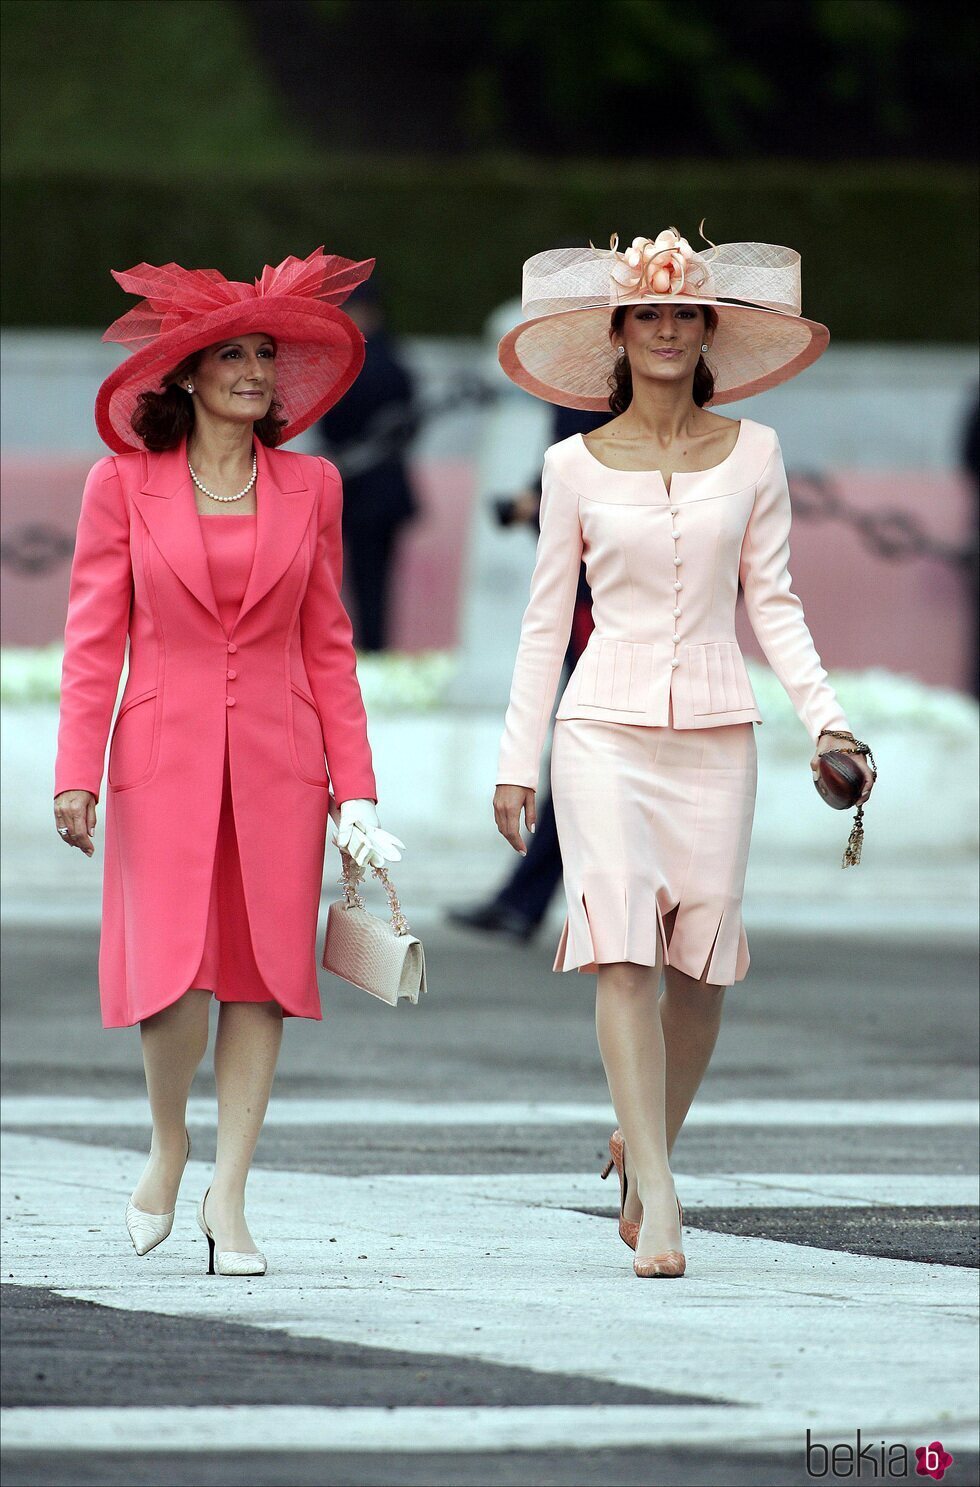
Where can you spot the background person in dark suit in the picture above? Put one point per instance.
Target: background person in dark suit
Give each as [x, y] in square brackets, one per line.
[366, 436]
[519, 906]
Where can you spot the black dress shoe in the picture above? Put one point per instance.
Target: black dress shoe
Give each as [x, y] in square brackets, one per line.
[495, 919]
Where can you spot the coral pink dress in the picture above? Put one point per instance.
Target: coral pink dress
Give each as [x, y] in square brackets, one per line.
[228, 965]
[279, 694]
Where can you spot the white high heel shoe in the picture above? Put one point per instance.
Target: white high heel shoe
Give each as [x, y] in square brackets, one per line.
[229, 1261]
[147, 1230]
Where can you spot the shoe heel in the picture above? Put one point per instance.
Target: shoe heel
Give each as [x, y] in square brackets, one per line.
[202, 1224]
[606, 1169]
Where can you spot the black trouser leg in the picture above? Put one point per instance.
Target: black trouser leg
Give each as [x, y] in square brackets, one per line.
[368, 553]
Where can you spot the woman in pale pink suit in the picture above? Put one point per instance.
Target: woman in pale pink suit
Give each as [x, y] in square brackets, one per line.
[241, 727]
[671, 508]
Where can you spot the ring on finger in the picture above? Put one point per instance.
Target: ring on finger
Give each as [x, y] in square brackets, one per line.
[63, 831]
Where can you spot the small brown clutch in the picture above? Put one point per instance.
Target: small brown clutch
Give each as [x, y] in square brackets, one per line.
[839, 781]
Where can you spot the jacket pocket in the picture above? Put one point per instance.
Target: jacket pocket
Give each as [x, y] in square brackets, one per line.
[719, 680]
[132, 750]
[306, 738]
[615, 674]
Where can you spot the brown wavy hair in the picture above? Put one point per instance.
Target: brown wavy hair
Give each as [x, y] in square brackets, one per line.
[621, 379]
[161, 419]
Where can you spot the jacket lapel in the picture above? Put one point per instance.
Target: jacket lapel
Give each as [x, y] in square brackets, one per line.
[167, 505]
[284, 507]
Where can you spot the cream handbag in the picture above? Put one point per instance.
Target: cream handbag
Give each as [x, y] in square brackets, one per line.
[384, 959]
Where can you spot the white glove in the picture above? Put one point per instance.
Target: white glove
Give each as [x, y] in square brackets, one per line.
[359, 834]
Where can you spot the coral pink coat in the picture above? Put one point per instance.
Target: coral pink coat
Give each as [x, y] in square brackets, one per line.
[282, 685]
[664, 569]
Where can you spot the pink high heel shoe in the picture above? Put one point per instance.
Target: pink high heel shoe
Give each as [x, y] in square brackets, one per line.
[629, 1230]
[670, 1263]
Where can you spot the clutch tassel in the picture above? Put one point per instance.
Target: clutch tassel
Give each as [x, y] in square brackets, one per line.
[852, 852]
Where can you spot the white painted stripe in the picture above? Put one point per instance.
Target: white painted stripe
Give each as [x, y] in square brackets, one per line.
[417, 1429]
[47, 1110]
[735, 1190]
[29, 1156]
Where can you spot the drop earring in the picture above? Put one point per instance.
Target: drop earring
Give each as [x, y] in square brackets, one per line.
[190, 387]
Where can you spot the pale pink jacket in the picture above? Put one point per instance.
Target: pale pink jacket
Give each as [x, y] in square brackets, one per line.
[664, 571]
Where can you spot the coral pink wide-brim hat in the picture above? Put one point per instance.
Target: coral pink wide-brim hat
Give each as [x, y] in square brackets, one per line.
[562, 352]
[319, 349]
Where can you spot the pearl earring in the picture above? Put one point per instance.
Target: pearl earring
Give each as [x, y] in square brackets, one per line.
[190, 387]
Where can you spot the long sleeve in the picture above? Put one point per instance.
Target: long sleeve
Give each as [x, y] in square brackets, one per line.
[776, 613]
[96, 626]
[545, 632]
[328, 654]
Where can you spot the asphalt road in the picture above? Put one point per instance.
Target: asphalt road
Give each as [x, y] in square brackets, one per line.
[871, 1203]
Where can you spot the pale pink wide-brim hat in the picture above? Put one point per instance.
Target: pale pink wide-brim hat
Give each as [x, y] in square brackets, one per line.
[319, 349]
[562, 353]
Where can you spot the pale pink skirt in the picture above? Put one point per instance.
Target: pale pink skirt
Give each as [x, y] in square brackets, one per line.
[649, 819]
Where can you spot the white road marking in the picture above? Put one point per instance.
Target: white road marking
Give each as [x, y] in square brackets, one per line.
[476, 1268]
[733, 1189]
[69, 1110]
[484, 1428]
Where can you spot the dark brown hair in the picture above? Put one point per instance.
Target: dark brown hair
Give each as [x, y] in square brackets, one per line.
[161, 419]
[621, 379]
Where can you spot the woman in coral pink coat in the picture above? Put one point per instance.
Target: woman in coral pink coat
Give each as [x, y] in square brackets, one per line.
[217, 555]
[672, 508]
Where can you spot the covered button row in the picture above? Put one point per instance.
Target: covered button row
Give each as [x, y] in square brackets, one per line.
[677, 586]
[232, 648]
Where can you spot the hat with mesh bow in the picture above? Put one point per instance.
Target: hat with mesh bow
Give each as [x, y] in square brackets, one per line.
[319, 349]
[561, 351]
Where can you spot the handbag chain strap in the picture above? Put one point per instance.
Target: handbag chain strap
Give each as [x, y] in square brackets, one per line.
[353, 876]
[852, 852]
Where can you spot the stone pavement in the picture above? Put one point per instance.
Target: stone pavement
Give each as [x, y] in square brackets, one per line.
[447, 1299]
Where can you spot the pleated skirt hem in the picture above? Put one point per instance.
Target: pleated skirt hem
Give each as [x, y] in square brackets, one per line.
[704, 945]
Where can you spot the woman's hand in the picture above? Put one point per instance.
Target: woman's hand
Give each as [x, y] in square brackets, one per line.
[359, 834]
[508, 802]
[74, 816]
[826, 744]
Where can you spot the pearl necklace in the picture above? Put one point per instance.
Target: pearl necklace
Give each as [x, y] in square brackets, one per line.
[244, 492]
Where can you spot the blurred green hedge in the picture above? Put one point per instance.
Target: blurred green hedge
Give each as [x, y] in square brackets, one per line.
[889, 251]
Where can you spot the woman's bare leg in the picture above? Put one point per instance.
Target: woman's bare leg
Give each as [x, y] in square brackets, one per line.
[174, 1041]
[690, 1015]
[631, 1042]
[246, 1051]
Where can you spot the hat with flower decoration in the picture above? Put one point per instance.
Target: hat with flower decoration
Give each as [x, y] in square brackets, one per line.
[561, 351]
[319, 349]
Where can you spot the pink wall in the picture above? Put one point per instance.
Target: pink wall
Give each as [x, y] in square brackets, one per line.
[912, 615]
[908, 615]
[46, 493]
